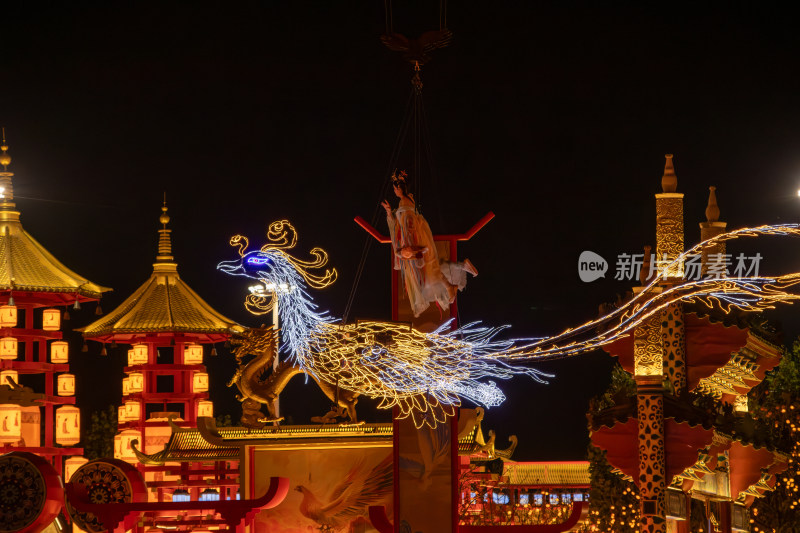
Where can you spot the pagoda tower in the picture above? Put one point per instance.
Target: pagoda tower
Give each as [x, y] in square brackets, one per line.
[166, 324]
[33, 284]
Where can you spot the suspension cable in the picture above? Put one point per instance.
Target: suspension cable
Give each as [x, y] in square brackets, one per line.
[398, 144]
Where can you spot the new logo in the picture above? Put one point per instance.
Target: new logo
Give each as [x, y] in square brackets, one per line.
[591, 266]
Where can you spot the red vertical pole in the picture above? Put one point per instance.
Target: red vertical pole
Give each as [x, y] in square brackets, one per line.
[454, 305]
[454, 469]
[395, 283]
[28, 325]
[396, 466]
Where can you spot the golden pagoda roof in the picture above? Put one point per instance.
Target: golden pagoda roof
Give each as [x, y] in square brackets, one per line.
[551, 474]
[25, 265]
[188, 445]
[164, 303]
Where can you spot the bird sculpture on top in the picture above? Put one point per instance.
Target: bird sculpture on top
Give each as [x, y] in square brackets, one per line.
[427, 374]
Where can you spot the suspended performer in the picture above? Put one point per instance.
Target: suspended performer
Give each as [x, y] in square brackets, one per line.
[427, 278]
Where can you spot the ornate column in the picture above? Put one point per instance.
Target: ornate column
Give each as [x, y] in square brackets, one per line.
[650, 413]
[674, 343]
[659, 352]
[669, 222]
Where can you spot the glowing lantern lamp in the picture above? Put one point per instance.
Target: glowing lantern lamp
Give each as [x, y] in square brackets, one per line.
[66, 384]
[72, 464]
[59, 352]
[8, 373]
[181, 495]
[8, 316]
[8, 348]
[68, 425]
[121, 414]
[200, 382]
[10, 423]
[135, 382]
[137, 355]
[51, 319]
[126, 386]
[205, 408]
[133, 410]
[122, 444]
[193, 354]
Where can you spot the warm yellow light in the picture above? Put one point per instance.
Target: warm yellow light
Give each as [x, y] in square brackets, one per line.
[133, 411]
[8, 348]
[200, 382]
[59, 352]
[205, 408]
[135, 383]
[740, 404]
[122, 444]
[10, 423]
[72, 464]
[121, 414]
[8, 316]
[11, 374]
[126, 386]
[68, 425]
[193, 354]
[66, 384]
[137, 355]
[51, 320]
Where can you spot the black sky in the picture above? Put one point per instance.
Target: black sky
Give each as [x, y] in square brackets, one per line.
[555, 117]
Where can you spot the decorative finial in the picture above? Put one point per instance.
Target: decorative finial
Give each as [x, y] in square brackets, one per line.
[5, 159]
[712, 210]
[164, 219]
[164, 240]
[669, 181]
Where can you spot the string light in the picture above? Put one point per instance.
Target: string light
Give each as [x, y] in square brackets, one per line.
[742, 293]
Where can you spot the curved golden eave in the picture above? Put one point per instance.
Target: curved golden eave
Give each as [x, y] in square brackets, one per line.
[25, 265]
[164, 303]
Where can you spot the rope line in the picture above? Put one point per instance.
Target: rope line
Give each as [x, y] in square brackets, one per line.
[399, 141]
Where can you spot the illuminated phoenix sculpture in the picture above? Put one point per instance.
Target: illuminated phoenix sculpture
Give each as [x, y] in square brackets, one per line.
[427, 374]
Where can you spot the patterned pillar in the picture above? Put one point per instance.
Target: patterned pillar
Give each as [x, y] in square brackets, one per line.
[674, 338]
[669, 221]
[648, 368]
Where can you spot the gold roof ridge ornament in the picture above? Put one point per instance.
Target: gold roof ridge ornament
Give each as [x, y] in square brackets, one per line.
[669, 181]
[712, 209]
[164, 303]
[25, 265]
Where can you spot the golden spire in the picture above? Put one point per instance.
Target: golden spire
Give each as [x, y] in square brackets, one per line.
[5, 159]
[712, 210]
[669, 181]
[164, 240]
[6, 187]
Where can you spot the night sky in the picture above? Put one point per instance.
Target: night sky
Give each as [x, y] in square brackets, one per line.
[554, 117]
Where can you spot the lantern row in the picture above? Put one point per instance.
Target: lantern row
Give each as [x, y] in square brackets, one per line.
[67, 417]
[134, 383]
